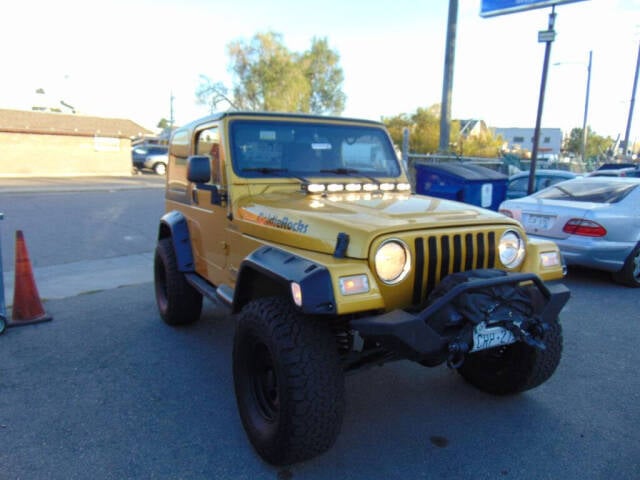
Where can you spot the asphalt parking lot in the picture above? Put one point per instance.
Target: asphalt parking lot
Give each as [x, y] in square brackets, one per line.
[107, 391]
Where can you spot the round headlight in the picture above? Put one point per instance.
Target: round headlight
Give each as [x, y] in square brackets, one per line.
[392, 261]
[511, 249]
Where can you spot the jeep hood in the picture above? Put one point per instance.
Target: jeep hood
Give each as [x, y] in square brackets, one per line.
[313, 222]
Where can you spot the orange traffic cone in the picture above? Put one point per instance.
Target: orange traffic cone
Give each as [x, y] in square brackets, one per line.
[27, 307]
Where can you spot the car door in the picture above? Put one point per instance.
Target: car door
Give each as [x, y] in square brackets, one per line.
[209, 220]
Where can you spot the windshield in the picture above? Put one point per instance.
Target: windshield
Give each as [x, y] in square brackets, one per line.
[588, 191]
[281, 149]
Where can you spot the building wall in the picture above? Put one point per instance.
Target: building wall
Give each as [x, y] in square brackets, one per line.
[522, 138]
[43, 155]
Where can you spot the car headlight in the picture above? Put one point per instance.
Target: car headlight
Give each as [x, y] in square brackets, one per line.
[511, 249]
[392, 261]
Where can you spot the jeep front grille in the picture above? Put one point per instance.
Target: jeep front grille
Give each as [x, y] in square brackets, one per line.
[437, 256]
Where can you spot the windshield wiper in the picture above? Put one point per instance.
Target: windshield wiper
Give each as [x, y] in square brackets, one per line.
[279, 172]
[265, 170]
[351, 172]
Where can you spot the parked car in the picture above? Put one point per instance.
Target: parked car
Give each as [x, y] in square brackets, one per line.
[518, 184]
[594, 220]
[152, 157]
[616, 172]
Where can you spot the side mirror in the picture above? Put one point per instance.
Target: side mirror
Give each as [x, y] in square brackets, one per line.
[198, 169]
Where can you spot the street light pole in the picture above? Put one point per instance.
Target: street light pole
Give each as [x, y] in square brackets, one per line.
[586, 111]
[633, 101]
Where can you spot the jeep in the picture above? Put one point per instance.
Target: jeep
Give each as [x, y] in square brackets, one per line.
[307, 229]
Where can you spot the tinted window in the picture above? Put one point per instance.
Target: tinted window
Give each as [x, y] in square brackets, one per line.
[598, 191]
[519, 184]
[281, 148]
[158, 150]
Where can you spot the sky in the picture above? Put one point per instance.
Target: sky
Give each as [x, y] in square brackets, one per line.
[125, 58]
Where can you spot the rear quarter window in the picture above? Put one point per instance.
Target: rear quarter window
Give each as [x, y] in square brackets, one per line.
[595, 192]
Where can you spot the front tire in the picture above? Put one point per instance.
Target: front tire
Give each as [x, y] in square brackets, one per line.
[289, 382]
[514, 368]
[178, 302]
[160, 168]
[630, 273]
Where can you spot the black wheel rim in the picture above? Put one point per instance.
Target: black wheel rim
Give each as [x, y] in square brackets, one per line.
[635, 264]
[264, 382]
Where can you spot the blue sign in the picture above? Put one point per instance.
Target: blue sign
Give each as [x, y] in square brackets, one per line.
[491, 8]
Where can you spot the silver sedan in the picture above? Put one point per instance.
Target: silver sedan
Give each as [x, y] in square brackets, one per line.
[594, 220]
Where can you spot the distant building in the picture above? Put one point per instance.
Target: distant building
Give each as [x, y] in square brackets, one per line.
[55, 144]
[520, 140]
[473, 128]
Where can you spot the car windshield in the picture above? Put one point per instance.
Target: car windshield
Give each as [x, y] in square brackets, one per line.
[280, 149]
[581, 191]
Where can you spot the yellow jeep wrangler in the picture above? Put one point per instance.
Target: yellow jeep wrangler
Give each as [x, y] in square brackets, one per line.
[306, 228]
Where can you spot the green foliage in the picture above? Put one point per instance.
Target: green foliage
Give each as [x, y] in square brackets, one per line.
[269, 77]
[163, 123]
[323, 72]
[597, 148]
[424, 134]
[484, 145]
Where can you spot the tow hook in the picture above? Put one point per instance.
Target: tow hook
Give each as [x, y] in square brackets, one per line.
[529, 332]
[457, 351]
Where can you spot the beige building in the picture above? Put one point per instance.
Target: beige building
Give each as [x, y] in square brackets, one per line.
[43, 144]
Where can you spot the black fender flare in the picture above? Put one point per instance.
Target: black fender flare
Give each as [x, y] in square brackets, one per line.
[174, 225]
[281, 268]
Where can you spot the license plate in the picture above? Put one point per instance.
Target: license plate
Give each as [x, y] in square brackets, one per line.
[538, 222]
[490, 337]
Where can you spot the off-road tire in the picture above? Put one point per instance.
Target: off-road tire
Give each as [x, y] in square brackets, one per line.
[178, 302]
[630, 273]
[288, 380]
[514, 368]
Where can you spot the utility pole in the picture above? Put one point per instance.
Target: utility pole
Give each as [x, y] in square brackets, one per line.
[631, 105]
[447, 81]
[586, 110]
[171, 120]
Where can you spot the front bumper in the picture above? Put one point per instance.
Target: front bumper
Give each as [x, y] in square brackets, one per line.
[411, 336]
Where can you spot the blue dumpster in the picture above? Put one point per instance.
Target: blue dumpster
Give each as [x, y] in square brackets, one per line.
[463, 182]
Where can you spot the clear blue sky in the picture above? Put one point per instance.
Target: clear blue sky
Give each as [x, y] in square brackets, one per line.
[123, 58]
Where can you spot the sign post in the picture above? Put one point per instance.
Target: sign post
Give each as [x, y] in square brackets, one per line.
[492, 8]
[547, 37]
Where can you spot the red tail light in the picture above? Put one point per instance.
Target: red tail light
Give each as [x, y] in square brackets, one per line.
[586, 228]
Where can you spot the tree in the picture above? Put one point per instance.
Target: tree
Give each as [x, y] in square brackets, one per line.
[424, 129]
[485, 144]
[597, 148]
[163, 123]
[267, 76]
[212, 94]
[321, 65]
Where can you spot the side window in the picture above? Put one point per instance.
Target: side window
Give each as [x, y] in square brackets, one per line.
[519, 184]
[180, 146]
[208, 143]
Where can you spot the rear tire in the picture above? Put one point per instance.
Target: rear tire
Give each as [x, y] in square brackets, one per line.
[178, 302]
[514, 368]
[289, 382]
[630, 273]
